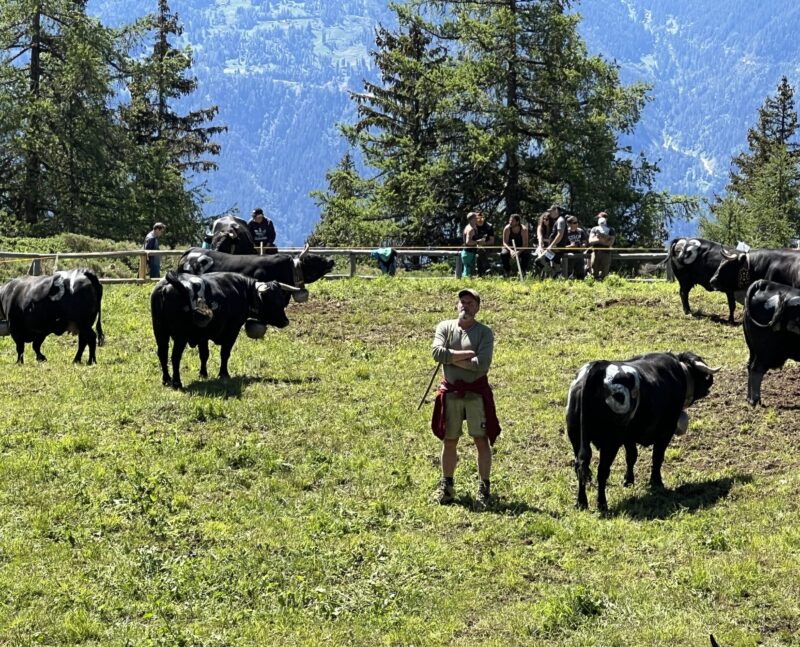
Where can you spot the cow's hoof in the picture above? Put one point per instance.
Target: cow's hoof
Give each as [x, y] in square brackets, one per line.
[177, 384]
[581, 505]
[91, 362]
[204, 374]
[41, 358]
[225, 376]
[602, 508]
[753, 403]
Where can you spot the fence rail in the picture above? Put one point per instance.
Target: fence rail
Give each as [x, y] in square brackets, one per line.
[618, 255]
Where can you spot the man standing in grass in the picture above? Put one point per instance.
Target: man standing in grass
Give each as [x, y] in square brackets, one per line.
[464, 347]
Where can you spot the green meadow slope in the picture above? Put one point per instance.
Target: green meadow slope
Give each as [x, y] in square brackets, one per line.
[292, 504]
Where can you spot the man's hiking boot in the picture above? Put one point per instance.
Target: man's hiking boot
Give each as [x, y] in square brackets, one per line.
[483, 498]
[446, 492]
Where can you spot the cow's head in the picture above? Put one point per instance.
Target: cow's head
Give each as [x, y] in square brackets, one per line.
[314, 266]
[700, 376]
[733, 272]
[193, 290]
[269, 305]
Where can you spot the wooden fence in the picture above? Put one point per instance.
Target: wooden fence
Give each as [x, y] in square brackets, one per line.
[618, 255]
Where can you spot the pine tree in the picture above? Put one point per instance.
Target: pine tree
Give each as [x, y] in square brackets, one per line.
[762, 204]
[59, 137]
[396, 128]
[168, 147]
[347, 210]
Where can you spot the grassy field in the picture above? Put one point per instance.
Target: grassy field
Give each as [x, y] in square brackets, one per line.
[292, 504]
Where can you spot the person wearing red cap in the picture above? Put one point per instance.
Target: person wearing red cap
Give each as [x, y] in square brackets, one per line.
[464, 347]
[600, 237]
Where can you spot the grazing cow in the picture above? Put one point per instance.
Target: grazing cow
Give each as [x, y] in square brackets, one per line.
[231, 235]
[195, 309]
[739, 270]
[296, 271]
[771, 330]
[67, 301]
[694, 261]
[639, 401]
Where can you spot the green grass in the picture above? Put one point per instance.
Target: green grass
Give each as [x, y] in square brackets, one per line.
[291, 504]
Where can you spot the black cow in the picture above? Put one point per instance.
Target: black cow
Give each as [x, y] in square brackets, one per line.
[195, 309]
[639, 401]
[694, 261]
[67, 301]
[771, 330]
[231, 235]
[739, 270]
[295, 271]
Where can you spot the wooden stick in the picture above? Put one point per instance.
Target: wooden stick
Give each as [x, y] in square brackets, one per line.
[430, 384]
[519, 267]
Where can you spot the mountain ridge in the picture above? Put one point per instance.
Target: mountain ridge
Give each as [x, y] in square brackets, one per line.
[280, 72]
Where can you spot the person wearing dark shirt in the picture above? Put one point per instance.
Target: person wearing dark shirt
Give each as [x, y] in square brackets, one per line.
[575, 238]
[151, 243]
[515, 239]
[263, 231]
[484, 236]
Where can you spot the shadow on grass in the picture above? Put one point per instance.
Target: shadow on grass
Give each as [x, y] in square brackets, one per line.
[497, 505]
[662, 503]
[699, 314]
[233, 387]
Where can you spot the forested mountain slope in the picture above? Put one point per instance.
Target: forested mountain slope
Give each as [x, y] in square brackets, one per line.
[280, 71]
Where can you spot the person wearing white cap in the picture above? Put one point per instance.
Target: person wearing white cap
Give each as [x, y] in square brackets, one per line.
[601, 236]
[464, 347]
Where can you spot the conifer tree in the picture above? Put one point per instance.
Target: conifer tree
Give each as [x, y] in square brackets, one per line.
[168, 147]
[762, 204]
[59, 137]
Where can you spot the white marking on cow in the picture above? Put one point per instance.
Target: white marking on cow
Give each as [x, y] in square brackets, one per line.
[690, 251]
[58, 283]
[198, 260]
[196, 287]
[620, 399]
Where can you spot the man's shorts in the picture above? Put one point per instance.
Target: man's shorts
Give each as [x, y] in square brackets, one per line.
[469, 408]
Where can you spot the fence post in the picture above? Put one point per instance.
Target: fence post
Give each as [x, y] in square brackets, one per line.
[352, 265]
[36, 267]
[143, 266]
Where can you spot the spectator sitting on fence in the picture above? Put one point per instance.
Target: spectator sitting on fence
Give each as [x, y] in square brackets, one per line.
[468, 252]
[263, 231]
[151, 243]
[578, 239]
[550, 257]
[386, 259]
[544, 227]
[515, 234]
[484, 236]
[601, 236]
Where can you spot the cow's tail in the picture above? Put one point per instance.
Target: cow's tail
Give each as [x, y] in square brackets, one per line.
[748, 300]
[651, 268]
[98, 289]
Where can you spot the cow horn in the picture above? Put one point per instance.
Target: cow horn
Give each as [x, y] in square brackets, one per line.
[304, 252]
[288, 288]
[730, 256]
[704, 368]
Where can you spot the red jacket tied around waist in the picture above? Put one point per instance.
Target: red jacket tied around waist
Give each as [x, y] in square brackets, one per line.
[458, 389]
